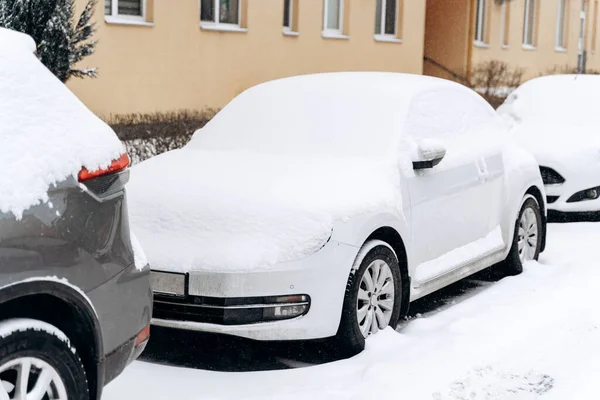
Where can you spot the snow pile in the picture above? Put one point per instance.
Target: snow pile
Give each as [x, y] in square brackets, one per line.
[533, 336]
[267, 178]
[46, 133]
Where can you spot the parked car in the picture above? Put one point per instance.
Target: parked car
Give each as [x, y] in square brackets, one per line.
[322, 205]
[75, 300]
[555, 117]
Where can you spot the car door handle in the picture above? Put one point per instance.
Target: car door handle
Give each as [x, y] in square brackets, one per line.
[483, 171]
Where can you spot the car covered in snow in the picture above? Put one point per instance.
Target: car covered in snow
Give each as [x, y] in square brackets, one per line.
[75, 298]
[556, 119]
[322, 205]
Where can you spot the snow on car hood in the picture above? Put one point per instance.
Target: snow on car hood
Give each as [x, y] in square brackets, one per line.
[195, 209]
[567, 144]
[46, 133]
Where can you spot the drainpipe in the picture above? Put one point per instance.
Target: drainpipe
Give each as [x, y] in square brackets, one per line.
[470, 40]
[581, 52]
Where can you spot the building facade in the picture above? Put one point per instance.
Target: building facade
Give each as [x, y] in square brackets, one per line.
[164, 55]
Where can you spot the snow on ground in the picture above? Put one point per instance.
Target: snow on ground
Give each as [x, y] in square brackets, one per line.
[523, 337]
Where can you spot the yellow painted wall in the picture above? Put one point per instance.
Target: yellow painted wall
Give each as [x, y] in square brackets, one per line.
[545, 55]
[174, 64]
[447, 37]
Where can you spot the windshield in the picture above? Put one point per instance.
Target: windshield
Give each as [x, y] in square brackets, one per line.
[306, 117]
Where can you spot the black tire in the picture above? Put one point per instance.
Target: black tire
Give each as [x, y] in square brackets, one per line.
[47, 347]
[512, 264]
[349, 340]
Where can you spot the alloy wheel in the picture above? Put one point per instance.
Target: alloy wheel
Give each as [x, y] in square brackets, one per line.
[30, 378]
[528, 235]
[375, 302]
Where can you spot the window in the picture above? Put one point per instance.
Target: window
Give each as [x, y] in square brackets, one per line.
[595, 27]
[290, 16]
[125, 9]
[333, 18]
[386, 17]
[529, 23]
[561, 25]
[505, 24]
[220, 11]
[480, 21]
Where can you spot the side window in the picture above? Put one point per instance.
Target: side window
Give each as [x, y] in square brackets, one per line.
[447, 114]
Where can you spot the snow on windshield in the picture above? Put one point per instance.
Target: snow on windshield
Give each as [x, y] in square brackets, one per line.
[46, 133]
[570, 99]
[350, 114]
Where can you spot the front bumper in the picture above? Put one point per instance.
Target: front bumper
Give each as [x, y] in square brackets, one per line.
[322, 277]
[576, 180]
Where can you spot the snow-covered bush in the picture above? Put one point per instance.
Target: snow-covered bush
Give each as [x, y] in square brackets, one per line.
[495, 80]
[567, 69]
[147, 135]
[61, 42]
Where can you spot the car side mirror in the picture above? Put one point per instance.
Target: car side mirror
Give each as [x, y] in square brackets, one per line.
[430, 153]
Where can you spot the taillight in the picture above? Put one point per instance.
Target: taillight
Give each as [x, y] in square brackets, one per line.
[117, 165]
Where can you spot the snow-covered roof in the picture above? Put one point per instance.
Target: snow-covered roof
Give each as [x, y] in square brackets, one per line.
[555, 98]
[348, 113]
[46, 133]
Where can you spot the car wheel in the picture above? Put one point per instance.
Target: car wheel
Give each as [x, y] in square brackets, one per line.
[527, 240]
[37, 362]
[373, 297]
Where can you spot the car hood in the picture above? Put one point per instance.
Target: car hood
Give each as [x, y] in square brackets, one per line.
[569, 145]
[208, 210]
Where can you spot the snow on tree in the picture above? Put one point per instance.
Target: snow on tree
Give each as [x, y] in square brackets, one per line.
[61, 43]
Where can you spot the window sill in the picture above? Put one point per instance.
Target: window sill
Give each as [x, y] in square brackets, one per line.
[210, 26]
[559, 49]
[481, 45]
[387, 38]
[505, 47]
[288, 32]
[334, 35]
[126, 21]
[529, 47]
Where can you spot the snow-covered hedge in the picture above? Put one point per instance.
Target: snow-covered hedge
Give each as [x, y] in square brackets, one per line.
[147, 135]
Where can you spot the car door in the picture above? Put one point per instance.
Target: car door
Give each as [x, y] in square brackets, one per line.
[455, 205]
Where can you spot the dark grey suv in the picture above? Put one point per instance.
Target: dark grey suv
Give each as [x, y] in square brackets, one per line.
[74, 309]
[75, 298]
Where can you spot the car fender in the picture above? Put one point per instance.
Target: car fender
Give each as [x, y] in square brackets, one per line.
[521, 174]
[61, 289]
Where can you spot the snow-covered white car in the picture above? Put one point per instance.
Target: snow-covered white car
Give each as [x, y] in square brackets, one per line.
[557, 120]
[322, 205]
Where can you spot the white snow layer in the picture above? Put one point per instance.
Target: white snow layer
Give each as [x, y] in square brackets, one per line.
[265, 181]
[226, 211]
[532, 336]
[10, 326]
[46, 133]
[139, 255]
[556, 119]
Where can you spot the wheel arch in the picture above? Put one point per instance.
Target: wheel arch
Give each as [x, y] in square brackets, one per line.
[64, 307]
[537, 193]
[391, 236]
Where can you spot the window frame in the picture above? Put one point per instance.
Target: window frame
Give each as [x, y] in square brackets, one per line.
[340, 30]
[560, 43]
[382, 23]
[481, 23]
[505, 31]
[290, 28]
[114, 13]
[529, 31]
[594, 28]
[216, 12]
